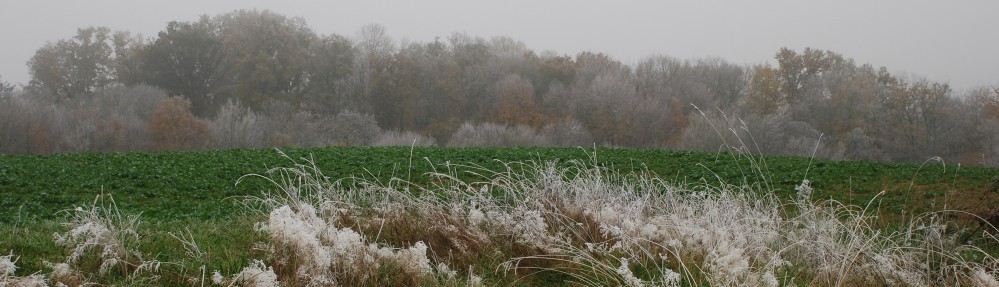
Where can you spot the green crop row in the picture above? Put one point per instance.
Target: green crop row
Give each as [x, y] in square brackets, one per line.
[202, 184]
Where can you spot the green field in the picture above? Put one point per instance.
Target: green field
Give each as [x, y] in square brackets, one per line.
[184, 198]
[196, 185]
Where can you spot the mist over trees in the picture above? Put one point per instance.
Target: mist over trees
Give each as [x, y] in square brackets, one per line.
[251, 79]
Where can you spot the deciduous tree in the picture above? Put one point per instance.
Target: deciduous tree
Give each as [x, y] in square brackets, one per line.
[6, 89]
[989, 98]
[764, 92]
[75, 67]
[374, 52]
[797, 72]
[266, 56]
[516, 104]
[331, 65]
[187, 60]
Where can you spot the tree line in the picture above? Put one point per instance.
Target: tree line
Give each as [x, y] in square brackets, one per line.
[257, 79]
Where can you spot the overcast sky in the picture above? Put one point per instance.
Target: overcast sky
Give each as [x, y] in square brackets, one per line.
[954, 41]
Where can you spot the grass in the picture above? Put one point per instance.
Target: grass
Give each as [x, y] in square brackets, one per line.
[529, 216]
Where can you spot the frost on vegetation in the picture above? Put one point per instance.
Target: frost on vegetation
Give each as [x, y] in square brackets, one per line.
[34, 280]
[7, 266]
[804, 190]
[475, 217]
[737, 237]
[769, 280]
[217, 278]
[528, 227]
[7, 278]
[585, 218]
[257, 274]
[888, 267]
[64, 274]
[983, 278]
[628, 277]
[413, 260]
[597, 227]
[445, 272]
[101, 230]
[290, 230]
[726, 264]
[669, 278]
[323, 253]
[98, 236]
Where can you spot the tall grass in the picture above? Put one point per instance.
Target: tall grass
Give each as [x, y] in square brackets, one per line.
[580, 222]
[532, 223]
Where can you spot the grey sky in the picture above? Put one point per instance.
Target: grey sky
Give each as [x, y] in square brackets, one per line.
[954, 41]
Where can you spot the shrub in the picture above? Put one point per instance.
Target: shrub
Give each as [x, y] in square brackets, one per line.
[304, 129]
[236, 126]
[567, 134]
[101, 231]
[859, 146]
[489, 134]
[111, 119]
[313, 244]
[286, 126]
[101, 241]
[349, 128]
[28, 127]
[709, 132]
[173, 127]
[405, 138]
[770, 134]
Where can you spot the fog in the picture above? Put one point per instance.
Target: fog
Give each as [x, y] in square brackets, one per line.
[948, 41]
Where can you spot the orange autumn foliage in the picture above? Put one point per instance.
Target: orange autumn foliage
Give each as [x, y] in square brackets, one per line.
[173, 127]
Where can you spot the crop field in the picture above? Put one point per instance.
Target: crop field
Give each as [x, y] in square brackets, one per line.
[491, 216]
[182, 185]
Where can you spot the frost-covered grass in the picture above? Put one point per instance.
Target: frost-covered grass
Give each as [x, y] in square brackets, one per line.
[527, 223]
